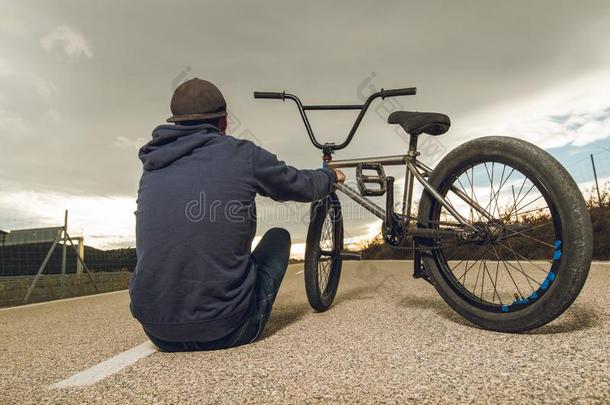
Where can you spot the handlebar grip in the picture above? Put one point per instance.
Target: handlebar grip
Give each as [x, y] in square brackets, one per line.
[270, 94]
[409, 91]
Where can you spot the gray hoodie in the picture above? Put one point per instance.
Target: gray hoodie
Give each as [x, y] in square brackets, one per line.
[195, 222]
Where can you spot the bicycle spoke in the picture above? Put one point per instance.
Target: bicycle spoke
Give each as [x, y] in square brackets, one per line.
[323, 274]
[462, 186]
[522, 270]
[473, 195]
[467, 270]
[491, 191]
[493, 283]
[455, 267]
[530, 203]
[491, 180]
[536, 240]
[483, 254]
[511, 276]
[532, 210]
[525, 258]
[496, 279]
[502, 182]
[526, 230]
[530, 278]
[476, 281]
[522, 198]
[515, 199]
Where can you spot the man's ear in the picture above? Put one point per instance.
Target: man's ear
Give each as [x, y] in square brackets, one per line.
[222, 124]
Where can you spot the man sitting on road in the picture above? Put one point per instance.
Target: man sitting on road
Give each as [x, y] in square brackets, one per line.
[196, 285]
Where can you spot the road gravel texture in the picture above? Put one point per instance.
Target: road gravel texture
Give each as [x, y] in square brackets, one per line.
[388, 338]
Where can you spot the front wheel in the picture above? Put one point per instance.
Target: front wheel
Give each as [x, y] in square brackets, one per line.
[323, 252]
[532, 251]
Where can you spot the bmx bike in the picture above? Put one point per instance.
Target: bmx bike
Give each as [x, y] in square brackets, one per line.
[501, 229]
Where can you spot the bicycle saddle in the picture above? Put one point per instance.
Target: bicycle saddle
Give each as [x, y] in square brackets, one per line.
[415, 123]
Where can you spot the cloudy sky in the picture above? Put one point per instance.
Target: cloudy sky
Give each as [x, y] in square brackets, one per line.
[83, 83]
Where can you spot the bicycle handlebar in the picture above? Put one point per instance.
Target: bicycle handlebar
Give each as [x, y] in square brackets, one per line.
[329, 147]
[409, 91]
[270, 94]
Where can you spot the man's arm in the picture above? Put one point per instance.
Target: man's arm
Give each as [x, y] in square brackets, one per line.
[281, 182]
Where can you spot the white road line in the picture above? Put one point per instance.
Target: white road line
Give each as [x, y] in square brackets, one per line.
[107, 367]
[82, 297]
[300, 272]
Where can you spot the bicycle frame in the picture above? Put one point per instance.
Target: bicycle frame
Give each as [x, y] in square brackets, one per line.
[415, 170]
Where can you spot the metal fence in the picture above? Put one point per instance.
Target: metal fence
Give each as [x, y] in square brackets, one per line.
[41, 251]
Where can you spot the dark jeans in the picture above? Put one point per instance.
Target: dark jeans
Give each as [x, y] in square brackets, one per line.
[271, 259]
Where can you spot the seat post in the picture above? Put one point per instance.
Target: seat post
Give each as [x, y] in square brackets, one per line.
[407, 195]
[413, 145]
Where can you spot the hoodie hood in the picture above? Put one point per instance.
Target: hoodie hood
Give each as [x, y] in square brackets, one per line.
[171, 142]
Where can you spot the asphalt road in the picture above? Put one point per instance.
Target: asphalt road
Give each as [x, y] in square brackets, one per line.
[388, 338]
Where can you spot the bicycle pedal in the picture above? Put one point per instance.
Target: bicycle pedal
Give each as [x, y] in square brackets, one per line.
[379, 179]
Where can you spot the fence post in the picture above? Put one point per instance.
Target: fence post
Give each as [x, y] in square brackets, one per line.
[599, 198]
[41, 269]
[81, 254]
[64, 252]
[82, 262]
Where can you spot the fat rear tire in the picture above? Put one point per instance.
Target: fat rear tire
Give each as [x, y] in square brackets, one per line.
[573, 267]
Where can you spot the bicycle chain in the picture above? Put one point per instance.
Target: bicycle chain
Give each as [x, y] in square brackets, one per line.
[413, 248]
[410, 243]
